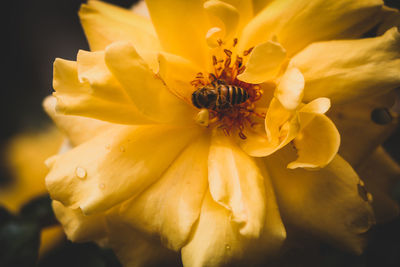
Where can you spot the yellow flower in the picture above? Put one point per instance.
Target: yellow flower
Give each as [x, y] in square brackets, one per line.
[25, 155]
[205, 128]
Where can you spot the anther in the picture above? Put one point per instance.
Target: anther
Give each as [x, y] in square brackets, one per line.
[228, 52]
[239, 61]
[248, 51]
[241, 69]
[214, 58]
[235, 41]
[228, 62]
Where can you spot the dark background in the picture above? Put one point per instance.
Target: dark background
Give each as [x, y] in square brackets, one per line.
[35, 33]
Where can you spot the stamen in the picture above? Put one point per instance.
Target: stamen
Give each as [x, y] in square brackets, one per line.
[215, 62]
[227, 62]
[248, 51]
[235, 41]
[228, 52]
[227, 102]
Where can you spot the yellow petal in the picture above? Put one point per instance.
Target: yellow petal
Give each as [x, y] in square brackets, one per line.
[217, 241]
[77, 129]
[181, 27]
[281, 124]
[281, 127]
[171, 206]
[226, 14]
[360, 135]
[381, 174]
[351, 69]
[296, 24]
[245, 9]
[259, 5]
[146, 90]
[177, 73]
[326, 203]
[79, 227]
[316, 144]
[264, 63]
[114, 166]
[290, 89]
[135, 249]
[104, 24]
[92, 69]
[77, 98]
[237, 184]
[390, 18]
[141, 9]
[25, 156]
[320, 105]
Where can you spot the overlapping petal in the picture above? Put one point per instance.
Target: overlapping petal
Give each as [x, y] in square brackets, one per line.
[296, 24]
[145, 89]
[181, 27]
[114, 166]
[177, 72]
[216, 240]
[79, 227]
[337, 70]
[104, 24]
[245, 9]
[317, 143]
[237, 184]
[226, 17]
[360, 135]
[79, 98]
[259, 70]
[381, 173]
[135, 249]
[78, 129]
[281, 127]
[171, 206]
[329, 203]
[390, 18]
[290, 89]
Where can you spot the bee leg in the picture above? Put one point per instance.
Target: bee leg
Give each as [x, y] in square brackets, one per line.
[212, 77]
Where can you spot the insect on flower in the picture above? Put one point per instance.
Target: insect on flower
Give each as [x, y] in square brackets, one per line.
[219, 96]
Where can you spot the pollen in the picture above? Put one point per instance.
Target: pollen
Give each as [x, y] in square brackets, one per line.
[229, 102]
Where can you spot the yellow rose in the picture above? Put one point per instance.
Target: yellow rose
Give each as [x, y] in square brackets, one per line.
[203, 130]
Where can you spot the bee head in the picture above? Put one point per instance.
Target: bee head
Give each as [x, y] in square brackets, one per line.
[205, 97]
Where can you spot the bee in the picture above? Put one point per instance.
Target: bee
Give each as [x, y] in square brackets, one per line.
[219, 96]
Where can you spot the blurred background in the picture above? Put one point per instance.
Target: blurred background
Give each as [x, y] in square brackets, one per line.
[36, 33]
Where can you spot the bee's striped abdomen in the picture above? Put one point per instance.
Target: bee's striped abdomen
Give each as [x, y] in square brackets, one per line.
[236, 95]
[230, 95]
[221, 97]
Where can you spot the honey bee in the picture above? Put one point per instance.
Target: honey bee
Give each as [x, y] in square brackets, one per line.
[219, 96]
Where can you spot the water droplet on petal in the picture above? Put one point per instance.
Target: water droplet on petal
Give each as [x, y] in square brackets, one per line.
[102, 186]
[80, 173]
[228, 247]
[122, 149]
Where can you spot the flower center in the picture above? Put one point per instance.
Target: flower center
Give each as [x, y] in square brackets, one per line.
[224, 100]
